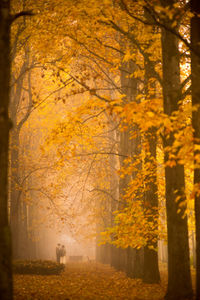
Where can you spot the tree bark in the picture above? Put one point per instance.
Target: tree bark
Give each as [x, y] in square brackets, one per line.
[5, 124]
[131, 259]
[151, 268]
[15, 192]
[179, 278]
[195, 71]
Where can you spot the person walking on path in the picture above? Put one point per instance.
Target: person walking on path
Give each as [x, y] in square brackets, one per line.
[58, 253]
[63, 255]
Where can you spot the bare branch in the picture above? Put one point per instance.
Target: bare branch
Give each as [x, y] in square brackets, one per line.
[183, 84]
[21, 14]
[102, 153]
[105, 192]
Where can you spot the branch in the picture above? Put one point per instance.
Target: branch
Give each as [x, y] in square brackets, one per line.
[93, 116]
[102, 153]
[183, 84]
[173, 31]
[30, 100]
[157, 22]
[84, 85]
[187, 92]
[21, 14]
[33, 171]
[94, 53]
[88, 173]
[49, 197]
[105, 192]
[125, 8]
[132, 38]
[66, 83]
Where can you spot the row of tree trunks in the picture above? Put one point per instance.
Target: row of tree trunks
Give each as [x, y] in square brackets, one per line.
[132, 260]
[142, 263]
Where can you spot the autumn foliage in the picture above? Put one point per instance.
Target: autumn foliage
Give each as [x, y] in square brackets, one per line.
[105, 142]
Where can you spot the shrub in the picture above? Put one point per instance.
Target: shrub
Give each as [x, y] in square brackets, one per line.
[39, 267]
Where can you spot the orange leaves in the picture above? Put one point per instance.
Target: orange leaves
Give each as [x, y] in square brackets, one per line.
[85, 281]
[132, 226]
[145, 114]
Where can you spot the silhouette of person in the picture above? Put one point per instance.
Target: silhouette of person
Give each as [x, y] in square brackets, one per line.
[63, 254]
[58, 253]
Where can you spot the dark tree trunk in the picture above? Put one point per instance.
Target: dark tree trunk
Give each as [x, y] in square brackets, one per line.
[130, 260]
[135, 263]
[151, 269]
[15, 192]
[5, 238]
[195, 70]
[179, 278]
[124, 148]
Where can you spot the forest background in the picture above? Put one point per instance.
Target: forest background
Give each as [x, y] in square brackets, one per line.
[104, 102]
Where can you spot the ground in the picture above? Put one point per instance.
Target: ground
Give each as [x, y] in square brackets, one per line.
[86, 281]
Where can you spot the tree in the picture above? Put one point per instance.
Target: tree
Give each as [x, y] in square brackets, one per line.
[5, 125]
[96, 57]
[195, 72]
[151, 269]
[17, 95]
[6, 20]
[179, 279]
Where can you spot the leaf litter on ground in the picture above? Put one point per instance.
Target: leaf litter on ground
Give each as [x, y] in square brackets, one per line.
[87, 281]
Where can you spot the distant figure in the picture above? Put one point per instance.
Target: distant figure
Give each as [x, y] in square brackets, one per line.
[62, 255]
[58, 253]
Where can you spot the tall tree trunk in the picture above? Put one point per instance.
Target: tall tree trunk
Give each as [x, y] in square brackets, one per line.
[151, 269]
[114, 191]
[5, 238]
[131, 259]
[15, 96]
[15, 192]
[123, 184]
[135, 257]
[195, 70]
[179, 278]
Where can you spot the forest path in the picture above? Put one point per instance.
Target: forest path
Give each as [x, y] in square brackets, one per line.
[86, 281]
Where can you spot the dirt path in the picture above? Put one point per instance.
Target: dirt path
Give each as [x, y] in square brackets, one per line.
[86, 281]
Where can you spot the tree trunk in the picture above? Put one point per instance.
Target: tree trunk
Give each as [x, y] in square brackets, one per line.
[15, 192]
[123, 184]
[179, 278]
[5, 238]
[195, 71]
[151, 268]
[114, 190]
[135, 263]
[131, 259]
